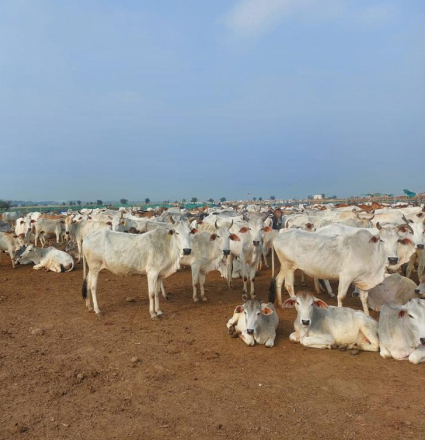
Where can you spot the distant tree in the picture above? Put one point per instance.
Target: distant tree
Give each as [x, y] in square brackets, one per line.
[79, 202]
[272, 198]
[147, 200]
[123, 201]
[99, 202]
[63, 203]
[71, 203]
[260, 199]
[222, 199]
[194, 199]
[211, 200]
[5, 204]
[184, 200]
[254, 198]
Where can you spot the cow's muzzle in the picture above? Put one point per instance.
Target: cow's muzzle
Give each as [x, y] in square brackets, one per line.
[305, 322]
[420, 246]
[226, 251]
[393, 260]
[187, 251]
[418, 291]
[250, 331]
[256, 243]
[67, 232]
[422, 341]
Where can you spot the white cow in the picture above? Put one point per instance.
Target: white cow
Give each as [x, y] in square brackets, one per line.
[49, 226]
[207, 252]
[402, 331]
[49, 259]
[156, 254]
[254, 322]
[357, 258]
[10, 243]
[321, 326]
[394, 288]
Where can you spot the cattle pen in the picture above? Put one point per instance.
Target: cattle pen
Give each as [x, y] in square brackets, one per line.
[68, 374]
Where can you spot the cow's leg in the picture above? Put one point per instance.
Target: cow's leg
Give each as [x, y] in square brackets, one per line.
[270, 342]
[38, 266]
[195, 281]
[36, 238]
[368, 338]
[164, 293]
[294, 337]
[244, 273]
[202, 277]
[344, 284]
[329, 288]
[265, 252]
[157, 289]
[417, 356]
[385, 353]
[230, 259]
[79, 246]
[248, 339]
[152, 289]
[363, 298]
[289, 282]
[88, 293]
[252, 273]
[317, 286]
[93, 287]
[279, 281]
[318, 341]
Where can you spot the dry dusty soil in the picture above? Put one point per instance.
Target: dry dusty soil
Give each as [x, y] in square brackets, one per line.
[77, 380]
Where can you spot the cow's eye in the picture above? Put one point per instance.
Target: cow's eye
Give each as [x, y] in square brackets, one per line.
[298, 303]
[410, 316]
[258, 313]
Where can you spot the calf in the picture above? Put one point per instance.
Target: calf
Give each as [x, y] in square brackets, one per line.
[50, 259]
[321, 326]
[402, 331]
[255, 322]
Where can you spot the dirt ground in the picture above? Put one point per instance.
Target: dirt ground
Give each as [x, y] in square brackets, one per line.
[77, 380]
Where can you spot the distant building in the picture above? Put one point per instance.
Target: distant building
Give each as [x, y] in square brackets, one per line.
[318, 197]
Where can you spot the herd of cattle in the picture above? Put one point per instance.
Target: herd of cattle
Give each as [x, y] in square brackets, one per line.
[369, 246]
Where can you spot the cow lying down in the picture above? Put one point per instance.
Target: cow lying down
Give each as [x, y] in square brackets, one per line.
[321, 326]
[49, 259]
[394, 288]
[254, 322]
[402, 331]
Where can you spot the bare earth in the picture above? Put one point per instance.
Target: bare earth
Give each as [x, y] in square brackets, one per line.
[192, 381]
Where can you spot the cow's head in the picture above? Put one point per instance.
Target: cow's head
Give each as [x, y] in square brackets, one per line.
[182, 232]
[254, 314]
[305, 303]
[413, 314]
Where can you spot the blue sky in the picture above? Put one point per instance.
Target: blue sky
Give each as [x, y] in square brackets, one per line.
[179, 98]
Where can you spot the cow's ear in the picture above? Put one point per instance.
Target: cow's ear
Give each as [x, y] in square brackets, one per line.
[21, 222]
[234, 237]
[374, 239]
[320, 304]
[89, 217]
[244, 229]
[32, 221]
[194, 231]
[239, 309]
[406, 241]
[213, 237]
[171, 232]
[62, 222]
[267, 229]
[109, 223]
[289, 303]
[402, 313]
[22, 235]
[267, 311]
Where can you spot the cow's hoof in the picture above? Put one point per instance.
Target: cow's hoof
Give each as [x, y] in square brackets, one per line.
[204, 298]
[195, 300]
[99, 314]
[244, 296]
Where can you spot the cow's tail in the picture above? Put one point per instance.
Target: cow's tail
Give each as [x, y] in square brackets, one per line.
[273, 261]
[272, 290]
[84, 288]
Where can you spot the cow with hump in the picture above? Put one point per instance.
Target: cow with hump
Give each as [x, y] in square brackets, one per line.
[321, 326]
[156, 254]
